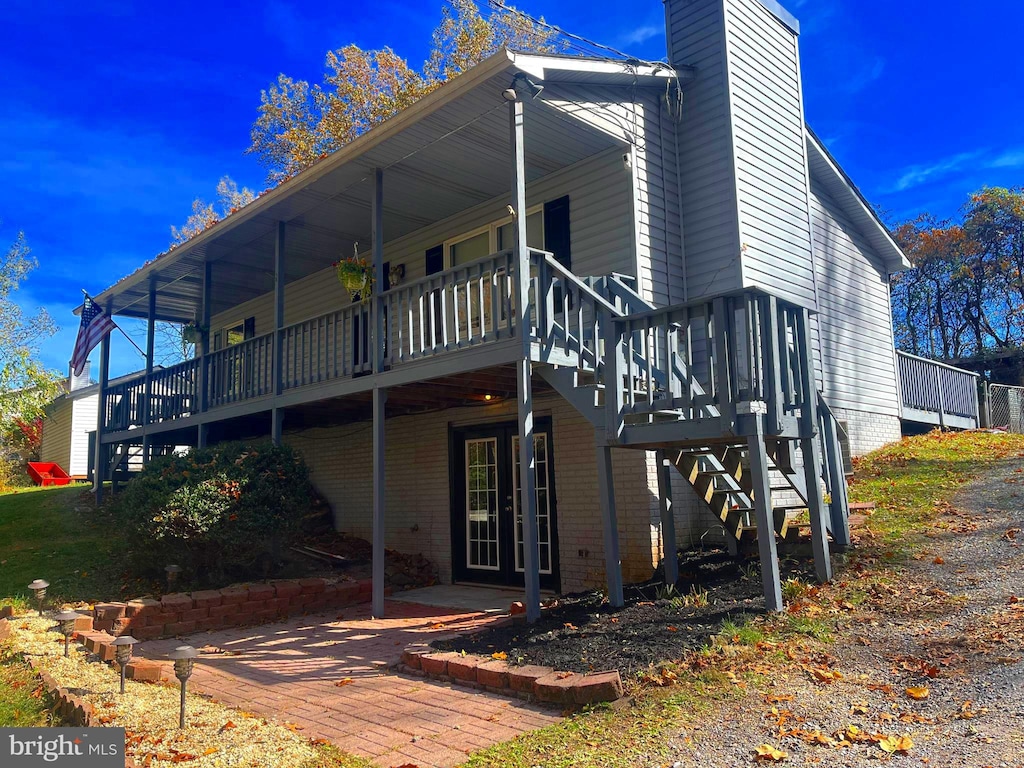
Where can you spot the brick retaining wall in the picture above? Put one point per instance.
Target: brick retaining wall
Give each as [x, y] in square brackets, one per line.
[239, 606]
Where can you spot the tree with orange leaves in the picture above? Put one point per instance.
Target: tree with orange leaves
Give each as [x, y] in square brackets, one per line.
[299, 123]
[965, 294]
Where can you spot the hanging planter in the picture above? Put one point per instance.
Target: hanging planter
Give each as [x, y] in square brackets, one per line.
[192, 333]
[356, 275]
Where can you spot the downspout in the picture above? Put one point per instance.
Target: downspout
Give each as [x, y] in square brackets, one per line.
[679, 201]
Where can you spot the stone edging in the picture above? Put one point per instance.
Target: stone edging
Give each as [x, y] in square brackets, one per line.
[529, 682]
[182, 614]
[74, 710]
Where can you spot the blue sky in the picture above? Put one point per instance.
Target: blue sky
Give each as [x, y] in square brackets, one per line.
[116, 114]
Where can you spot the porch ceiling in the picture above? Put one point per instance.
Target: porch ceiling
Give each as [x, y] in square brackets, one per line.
[448, 153]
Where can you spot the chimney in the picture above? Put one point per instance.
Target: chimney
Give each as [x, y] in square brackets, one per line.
[742, 148]
[82, 380]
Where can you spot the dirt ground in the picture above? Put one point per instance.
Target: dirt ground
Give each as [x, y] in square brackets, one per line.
[950, 629]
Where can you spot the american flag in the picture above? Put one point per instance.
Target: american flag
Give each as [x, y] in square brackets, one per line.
[95, 325]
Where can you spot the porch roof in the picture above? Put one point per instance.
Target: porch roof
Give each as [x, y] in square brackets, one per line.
[446, 153]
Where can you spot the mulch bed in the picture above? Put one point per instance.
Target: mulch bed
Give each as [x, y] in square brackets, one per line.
[582, 633]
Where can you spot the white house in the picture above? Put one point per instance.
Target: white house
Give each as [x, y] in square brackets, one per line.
[654, 273]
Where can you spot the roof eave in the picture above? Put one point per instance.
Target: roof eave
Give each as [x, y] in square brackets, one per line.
[895, 259]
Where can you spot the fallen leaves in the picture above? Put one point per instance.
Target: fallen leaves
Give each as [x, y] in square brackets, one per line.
[343, 682]
[499, 656]
[896, 744]
[917, 692]
[769, 753]
[825, 676]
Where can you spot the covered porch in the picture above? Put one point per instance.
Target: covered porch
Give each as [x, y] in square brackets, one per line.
[462, 331]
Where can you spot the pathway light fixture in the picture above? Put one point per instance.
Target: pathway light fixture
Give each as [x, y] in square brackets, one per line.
[123, 653]
[38, 588]
[67, 626]
[184, 661]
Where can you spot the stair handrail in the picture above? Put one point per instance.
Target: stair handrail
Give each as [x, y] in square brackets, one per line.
[625, 293]
[835, 477]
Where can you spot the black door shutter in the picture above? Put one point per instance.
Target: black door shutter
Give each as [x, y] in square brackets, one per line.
[435, 259]
[556, 230]
[249, 328]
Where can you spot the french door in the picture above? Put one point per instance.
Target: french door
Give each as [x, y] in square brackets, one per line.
[487, 522]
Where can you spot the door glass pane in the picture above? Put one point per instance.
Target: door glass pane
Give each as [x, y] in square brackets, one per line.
[534, 233]
[482, 504]
[471, 249]
[541, 458]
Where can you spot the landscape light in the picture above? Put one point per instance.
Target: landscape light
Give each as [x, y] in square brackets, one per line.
[172, 572]
[184, 661]
[67, 626]
[38, 588]
[123, 653]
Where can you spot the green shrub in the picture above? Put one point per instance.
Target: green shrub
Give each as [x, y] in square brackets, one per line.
[220, 512]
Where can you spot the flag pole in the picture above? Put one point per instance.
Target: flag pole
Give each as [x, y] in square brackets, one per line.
[144, 357]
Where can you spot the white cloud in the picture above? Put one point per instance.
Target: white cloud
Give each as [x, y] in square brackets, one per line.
[1011, 159]
[640, 35]
[918, 175]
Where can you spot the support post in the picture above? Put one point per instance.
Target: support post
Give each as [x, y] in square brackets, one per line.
[839, 508]
[810, 447]
[771, 580]
[524, 367]
[668, 520]
[986, 405]
[277, 415]
[147, 396]
[380, 397]
[939, 397]
[610, 525]
[377, 252]
[203, 350]
[99, 468]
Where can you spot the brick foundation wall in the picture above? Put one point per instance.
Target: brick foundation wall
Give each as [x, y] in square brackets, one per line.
[418, 506]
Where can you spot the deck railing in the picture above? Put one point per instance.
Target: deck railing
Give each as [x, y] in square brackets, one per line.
[242, 371]
[459, 308]
[935, 393]
[174, 395]
[698, 360]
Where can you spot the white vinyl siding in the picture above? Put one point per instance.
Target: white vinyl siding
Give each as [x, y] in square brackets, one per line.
[602, 240]
[854, 326]
[770, 152]
[710, 232]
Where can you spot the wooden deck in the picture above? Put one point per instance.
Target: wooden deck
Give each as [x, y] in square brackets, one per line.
[936, 394]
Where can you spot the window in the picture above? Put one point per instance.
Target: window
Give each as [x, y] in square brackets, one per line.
[534, 232]
[235, 334]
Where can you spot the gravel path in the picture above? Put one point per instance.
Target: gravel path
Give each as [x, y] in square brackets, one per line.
[949, 622]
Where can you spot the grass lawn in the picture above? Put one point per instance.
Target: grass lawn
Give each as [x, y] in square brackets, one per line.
[56, 534]
[22, 703]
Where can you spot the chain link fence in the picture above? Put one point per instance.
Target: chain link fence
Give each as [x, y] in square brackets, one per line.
[1006, 408]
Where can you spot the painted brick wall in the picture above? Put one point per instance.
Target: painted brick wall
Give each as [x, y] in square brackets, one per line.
[417, 497]
[869, 431]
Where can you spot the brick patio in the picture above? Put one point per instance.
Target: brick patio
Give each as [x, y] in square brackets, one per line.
[288, 671]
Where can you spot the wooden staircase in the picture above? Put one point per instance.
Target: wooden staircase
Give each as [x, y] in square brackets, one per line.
[722, 388]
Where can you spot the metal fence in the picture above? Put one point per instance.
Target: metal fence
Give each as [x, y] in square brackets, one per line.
[1005, 408]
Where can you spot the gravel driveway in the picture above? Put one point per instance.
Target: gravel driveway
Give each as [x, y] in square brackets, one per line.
[947, 624]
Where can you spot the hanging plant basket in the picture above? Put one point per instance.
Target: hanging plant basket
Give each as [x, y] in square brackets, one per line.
[191, 333]
[356, 275]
